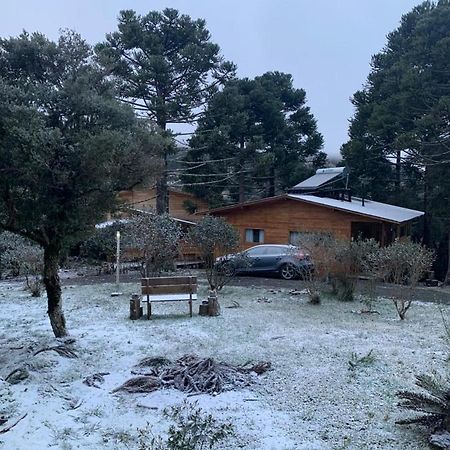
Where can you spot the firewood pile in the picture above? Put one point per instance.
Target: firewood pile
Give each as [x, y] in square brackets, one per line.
[191, 374]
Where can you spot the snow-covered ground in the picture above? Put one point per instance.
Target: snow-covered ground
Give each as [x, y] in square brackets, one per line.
[309, 400]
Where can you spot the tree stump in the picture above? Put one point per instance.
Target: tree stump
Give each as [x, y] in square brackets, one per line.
[203, 309]
[213, 304]
[135, 307]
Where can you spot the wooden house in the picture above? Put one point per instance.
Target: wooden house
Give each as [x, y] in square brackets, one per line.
[317, 205]
[182, 205]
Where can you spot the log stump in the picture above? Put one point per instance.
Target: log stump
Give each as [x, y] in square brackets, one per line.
[203, 309]
[213, 304]
[135, 307]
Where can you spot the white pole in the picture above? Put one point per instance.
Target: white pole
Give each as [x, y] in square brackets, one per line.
[117, 258]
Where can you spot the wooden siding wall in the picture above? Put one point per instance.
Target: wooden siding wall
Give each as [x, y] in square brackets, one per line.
[280, 217]
[146, 199]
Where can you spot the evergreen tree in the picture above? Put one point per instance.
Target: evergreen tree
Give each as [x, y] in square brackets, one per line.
[166, 67]
[67, 146]
[258, 135]
[400, 134]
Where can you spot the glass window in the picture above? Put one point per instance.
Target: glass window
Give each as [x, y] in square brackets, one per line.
[276, 250]
[254, 235]
[258, 251]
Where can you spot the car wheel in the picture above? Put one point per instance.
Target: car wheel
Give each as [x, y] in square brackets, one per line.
[288, 271]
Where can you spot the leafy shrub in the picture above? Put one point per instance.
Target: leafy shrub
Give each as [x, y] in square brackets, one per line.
[157, 237]
[101, 245]
[193, 430]
[213, 237]
[352, 260]
[20, 256]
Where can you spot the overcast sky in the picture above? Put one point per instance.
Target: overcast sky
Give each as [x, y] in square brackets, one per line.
[325, 44]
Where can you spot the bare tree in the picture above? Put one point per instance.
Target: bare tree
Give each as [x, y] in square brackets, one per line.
[403, 263]
[214, 237]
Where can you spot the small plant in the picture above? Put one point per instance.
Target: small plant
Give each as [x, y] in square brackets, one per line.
[20, 256]
[193, 430]
[351, 262]
[356, 361]
[403, 263]
[321, 248]
[432, 406]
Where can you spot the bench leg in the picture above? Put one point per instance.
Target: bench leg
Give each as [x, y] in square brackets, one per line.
[190, 308]
[149, 310]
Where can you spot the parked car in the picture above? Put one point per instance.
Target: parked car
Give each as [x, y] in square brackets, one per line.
[286, 260]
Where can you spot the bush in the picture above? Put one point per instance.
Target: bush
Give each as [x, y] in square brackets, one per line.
[213, 237]
[352, 261]
[403, 263]
[321, 248]
[193, 430]
[157, 237]
[20, 256]
[101, 245]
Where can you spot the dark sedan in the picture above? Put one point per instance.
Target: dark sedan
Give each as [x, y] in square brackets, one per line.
[286, 260]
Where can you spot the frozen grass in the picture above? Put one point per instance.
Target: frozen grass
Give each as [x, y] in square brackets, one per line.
[310, 400]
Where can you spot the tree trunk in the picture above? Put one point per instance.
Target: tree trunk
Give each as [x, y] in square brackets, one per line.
[398, 170]
[241, 171]
[426, 218]
[271, 191]
[162, 194]
[447, 275]
[53, 288]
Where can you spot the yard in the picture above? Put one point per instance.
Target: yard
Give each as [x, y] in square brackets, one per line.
[309, 400]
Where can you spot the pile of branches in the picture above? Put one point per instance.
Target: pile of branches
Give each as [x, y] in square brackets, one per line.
[191, 374]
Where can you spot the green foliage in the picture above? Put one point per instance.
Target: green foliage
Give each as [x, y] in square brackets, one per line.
[157, 237]
[193, 430]
[165, 66]
[356, 361]
[67, 146]
[101, 245]
[400, 133]
[258, 135]
[352, 259]
[431, 406]
[20, 256]
[212, 237]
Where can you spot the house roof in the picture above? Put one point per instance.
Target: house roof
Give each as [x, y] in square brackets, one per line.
[375, 210]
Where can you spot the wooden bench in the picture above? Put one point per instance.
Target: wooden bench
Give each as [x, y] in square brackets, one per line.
[168, 289]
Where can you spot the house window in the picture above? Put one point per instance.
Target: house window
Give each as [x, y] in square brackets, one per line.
[254, 235]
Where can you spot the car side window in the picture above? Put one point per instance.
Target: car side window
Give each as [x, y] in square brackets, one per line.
[256, 252]
[272, 251]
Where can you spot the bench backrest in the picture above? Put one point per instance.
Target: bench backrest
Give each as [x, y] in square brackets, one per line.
[169, 285]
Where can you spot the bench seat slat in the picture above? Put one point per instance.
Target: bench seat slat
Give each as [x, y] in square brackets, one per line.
[168, 281]
[171, 298]
[167, 289]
